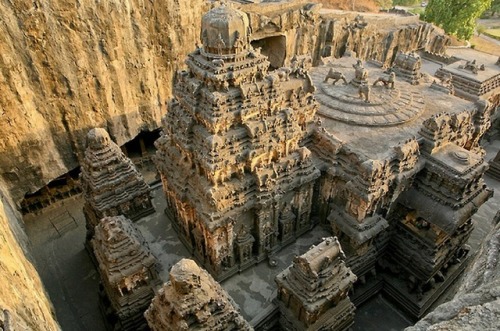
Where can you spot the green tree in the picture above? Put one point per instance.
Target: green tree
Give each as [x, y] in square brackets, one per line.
[456, 17]
[495, 7]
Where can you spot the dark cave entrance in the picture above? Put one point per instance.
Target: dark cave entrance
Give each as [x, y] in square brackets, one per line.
[274, 48]
[60, 188]
[141, 150]
[142, 146]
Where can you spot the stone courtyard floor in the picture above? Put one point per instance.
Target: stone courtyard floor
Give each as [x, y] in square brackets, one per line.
[72, 281]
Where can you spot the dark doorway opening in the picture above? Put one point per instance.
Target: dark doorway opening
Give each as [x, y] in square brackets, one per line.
[142, 145]
[141, 150]
[58, 189]
[274, 48]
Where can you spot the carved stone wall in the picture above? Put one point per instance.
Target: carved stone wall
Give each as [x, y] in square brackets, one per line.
[193, 300]
[377, 38]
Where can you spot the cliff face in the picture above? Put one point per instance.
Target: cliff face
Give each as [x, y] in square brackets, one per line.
[67, 66]
[377, 37]
[22, 296]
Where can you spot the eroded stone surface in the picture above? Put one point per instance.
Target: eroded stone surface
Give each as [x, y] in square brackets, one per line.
[70, 66]
[24, 305]
[313, 292]
[234, 169]
[128, 272]
[111, 184]
[193, 300]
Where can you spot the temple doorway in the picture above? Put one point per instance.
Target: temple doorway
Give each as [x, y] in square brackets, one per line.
[274, 48]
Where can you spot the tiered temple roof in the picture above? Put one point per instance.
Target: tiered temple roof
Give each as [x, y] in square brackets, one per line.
[233, 152]
[127, 270]
[111, 183]
[312, 293]
[193, 300]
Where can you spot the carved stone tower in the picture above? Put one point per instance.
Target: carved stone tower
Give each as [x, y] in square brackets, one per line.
[111, 184]
[313, 292]
[193, 300]
[128, 273]
[236, 174]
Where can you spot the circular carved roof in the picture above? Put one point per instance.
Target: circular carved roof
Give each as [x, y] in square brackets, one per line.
[224, 30]
[387, 106]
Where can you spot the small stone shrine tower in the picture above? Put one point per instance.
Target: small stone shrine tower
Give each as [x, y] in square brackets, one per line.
[128, 273]
[193, 300]
[111, 184]
[433, 219]
[312, 293]
[236, 174]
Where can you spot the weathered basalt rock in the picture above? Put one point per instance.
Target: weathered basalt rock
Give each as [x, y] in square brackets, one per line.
[193, 300]
[232, 155]
[111, 184]
[128, 273]
[24, 305]
[70, 66]
[313, 292]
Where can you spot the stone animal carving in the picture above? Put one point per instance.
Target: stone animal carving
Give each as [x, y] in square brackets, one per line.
[360, 72]
[387, 81]
[336, 76]
[364, 92]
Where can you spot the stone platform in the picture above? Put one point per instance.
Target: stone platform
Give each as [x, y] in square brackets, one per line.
[386, 106]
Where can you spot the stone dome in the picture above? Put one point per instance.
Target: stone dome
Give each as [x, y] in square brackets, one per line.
[224, 30]
[98, 138]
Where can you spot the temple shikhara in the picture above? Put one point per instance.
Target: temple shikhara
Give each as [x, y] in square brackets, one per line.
[128, 273]
[193, 300]
[236, 173]
[111, 184]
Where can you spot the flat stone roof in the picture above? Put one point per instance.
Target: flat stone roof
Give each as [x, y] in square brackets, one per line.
[490, 71]
[391, 117]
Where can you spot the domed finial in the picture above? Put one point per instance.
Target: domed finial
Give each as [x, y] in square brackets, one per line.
[224, 30]
[98, 138]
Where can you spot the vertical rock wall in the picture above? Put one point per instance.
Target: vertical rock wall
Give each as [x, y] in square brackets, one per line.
[67, 66]
[21, 291]
[377, 37]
